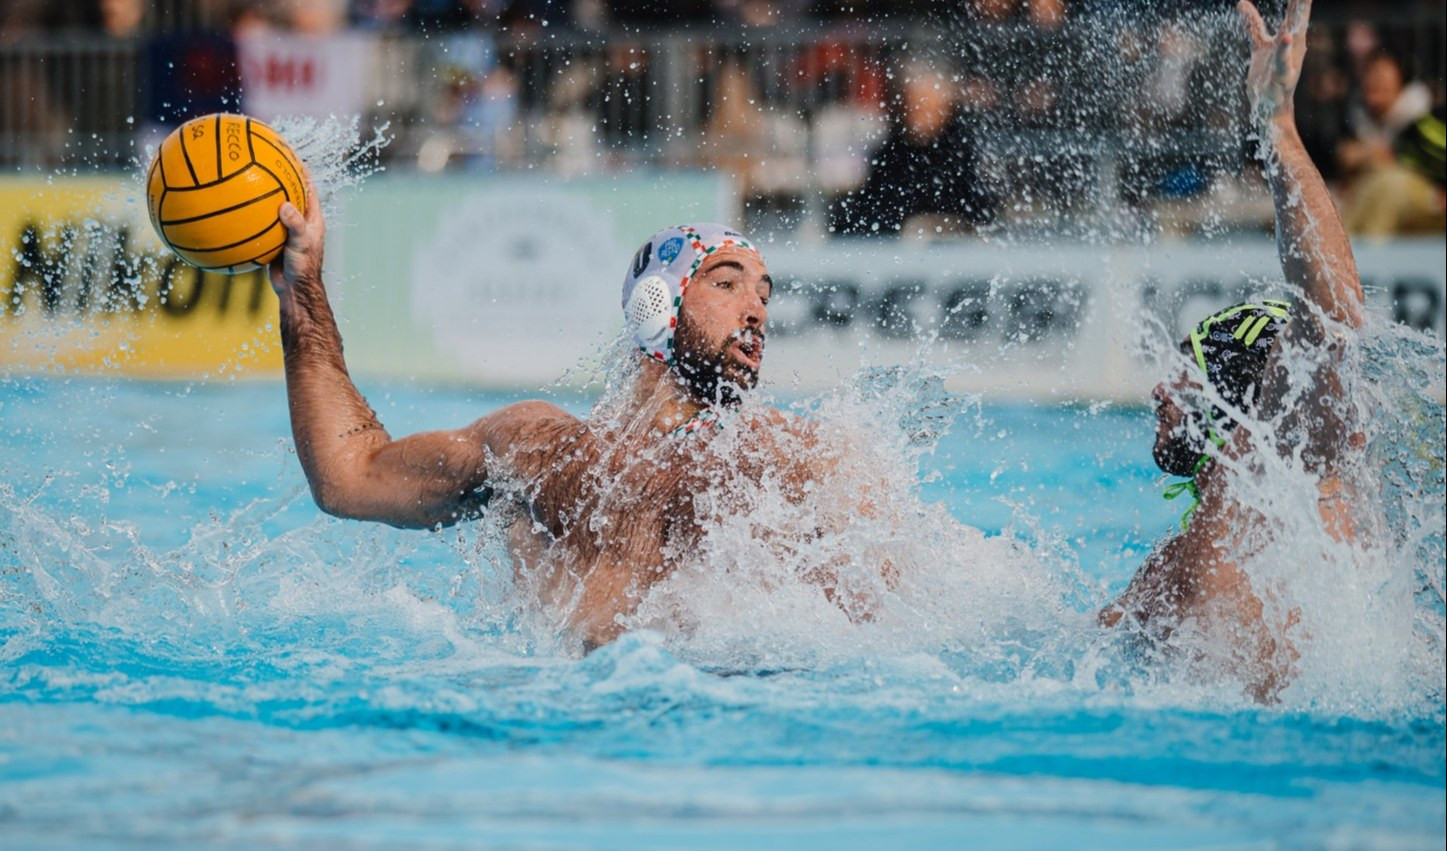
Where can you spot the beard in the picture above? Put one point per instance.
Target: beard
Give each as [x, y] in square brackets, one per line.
[706, 369]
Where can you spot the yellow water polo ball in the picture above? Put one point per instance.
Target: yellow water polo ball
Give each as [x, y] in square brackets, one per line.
[214, 189]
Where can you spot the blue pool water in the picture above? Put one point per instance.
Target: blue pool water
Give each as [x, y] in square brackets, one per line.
[190, 655]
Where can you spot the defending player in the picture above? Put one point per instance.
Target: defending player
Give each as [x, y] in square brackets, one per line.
[1242, 353]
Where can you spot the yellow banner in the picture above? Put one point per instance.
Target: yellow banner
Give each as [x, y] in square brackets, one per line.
[86, 286]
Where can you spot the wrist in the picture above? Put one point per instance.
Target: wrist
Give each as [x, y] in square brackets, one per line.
[303, 299]
[1283, 125]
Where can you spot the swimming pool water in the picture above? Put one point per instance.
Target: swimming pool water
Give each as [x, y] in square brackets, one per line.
[192, 656]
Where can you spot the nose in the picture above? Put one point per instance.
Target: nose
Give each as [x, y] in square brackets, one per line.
[754, 311]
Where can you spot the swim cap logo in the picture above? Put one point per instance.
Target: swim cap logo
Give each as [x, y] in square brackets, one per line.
[669, 250]
[640, 260]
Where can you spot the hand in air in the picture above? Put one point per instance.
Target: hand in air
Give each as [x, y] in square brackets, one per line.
[1275, 59]
[301, 261]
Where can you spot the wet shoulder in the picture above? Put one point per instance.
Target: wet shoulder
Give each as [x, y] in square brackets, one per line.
[534, 438]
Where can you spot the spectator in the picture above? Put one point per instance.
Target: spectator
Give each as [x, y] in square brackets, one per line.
[444, 16]
[186, 74]
[32, 122]
[567, 129]
[926, 166]
[314, 17]
[475, 107]
[623, 101]
[1048, 14]
[122, 18]
[634, 15]
[1384, 196]
[379, 14]
[1321, 103]
[1421, 148]
[763, 148]
[761, 13]
[733, 136]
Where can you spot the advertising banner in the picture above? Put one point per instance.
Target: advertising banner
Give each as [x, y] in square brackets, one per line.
[504, 281]
[284, 74]
[509, 282]
[85, 286]
[1044, 321]
[500, 280]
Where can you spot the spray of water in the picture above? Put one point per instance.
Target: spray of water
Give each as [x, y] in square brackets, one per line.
[1362, 617]
[336, 154]
[910, 580]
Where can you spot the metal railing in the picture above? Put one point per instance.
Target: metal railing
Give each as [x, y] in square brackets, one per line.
[1074, 120]
[69, 102]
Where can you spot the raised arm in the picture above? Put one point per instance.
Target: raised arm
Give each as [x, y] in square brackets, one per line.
[1315, 253]
[355, 469]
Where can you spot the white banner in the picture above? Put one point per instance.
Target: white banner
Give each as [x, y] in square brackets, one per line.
[287, 74]
[499, 280]
[1047, 321]
[506, 282]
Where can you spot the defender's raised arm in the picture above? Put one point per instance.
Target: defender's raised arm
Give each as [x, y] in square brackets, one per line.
[1316, 256]
[1315, 253]
[1274, 363]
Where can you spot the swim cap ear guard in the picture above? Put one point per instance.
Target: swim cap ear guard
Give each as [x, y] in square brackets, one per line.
[658, 277]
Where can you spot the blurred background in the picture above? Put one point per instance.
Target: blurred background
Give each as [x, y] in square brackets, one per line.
[812, 125]
[1029, 113]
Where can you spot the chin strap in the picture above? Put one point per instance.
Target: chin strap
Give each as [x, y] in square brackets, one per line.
[705, 418]
[1188, 486]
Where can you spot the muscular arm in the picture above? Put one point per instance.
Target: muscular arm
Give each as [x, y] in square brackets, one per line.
[1315, 253]
[353, 466]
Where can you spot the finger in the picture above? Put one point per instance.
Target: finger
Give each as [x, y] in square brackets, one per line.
[292, 218]
[1283, 54]
[1255, 26]
[1298, 12]
[313, 207]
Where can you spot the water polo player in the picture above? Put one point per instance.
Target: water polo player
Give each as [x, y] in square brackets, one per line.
[598, 509]
[1234, 368]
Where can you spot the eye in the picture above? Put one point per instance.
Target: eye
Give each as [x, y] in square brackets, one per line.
[725, 283]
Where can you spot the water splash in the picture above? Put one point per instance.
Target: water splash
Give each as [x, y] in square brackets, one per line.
[1364, 617]
[93, 287]
[335, 153]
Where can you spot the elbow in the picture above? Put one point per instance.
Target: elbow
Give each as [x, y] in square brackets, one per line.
[338, 496]
[332, 500]
[339, 487]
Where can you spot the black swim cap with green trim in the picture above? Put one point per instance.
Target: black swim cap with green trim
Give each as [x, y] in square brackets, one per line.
[1231, 347]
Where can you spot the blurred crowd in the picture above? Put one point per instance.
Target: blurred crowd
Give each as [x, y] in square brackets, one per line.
[840, 114]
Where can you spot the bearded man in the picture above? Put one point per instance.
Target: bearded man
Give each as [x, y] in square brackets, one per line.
[598, 511]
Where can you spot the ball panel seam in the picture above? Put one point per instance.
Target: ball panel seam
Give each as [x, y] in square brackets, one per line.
[214, 249]
[233, 208]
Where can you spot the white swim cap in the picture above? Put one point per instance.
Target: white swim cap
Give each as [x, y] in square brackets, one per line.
[656, 280]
